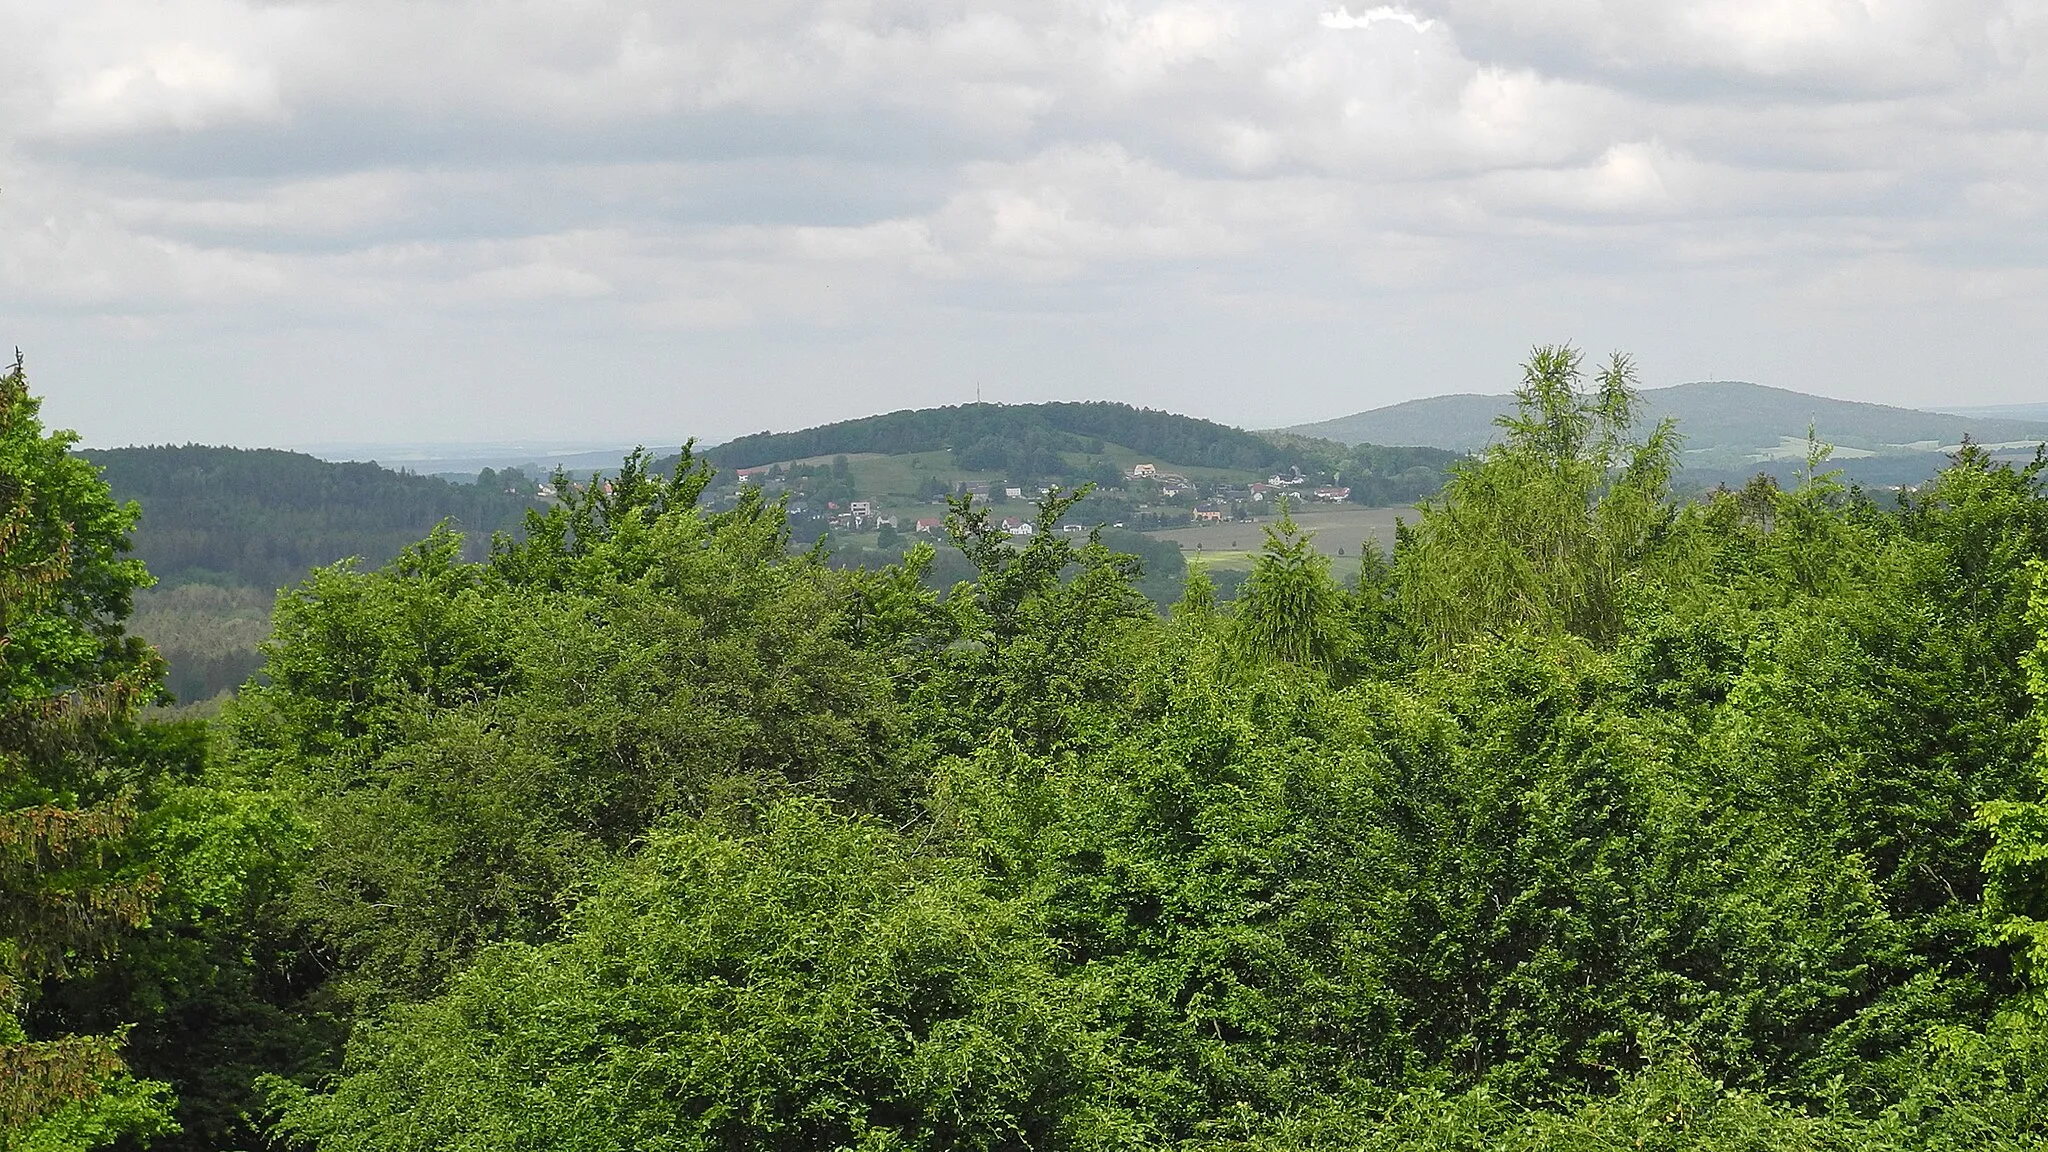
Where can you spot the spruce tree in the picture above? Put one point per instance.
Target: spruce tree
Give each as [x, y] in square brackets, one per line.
[67, 675]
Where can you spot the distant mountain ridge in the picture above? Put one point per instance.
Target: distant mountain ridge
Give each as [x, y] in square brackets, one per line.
[1726, 423]
[2005, 411]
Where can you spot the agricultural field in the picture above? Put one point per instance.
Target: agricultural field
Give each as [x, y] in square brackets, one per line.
[1339, 531]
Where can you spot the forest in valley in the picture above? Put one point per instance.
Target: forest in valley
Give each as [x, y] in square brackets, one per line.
[1589, 817]
[225, 528]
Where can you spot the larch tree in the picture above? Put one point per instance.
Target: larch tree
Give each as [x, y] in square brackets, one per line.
[1538, 533]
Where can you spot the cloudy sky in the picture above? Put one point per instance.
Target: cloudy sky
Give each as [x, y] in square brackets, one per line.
[271, 222]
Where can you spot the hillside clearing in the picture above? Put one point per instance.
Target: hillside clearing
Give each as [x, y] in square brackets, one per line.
[1339, 530]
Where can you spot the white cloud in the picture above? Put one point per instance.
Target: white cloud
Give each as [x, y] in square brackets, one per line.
[1813, 47]
[1343, 20]
[103, 69]
[1125, 175]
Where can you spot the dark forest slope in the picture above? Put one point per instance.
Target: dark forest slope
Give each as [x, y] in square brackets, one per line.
[263, 517]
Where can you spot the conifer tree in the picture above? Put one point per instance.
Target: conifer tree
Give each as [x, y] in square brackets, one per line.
[1291, 608]
[67, 674]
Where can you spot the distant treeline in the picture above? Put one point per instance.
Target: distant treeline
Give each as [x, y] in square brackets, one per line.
[988, 435]
[1382, 476]
[263, 517]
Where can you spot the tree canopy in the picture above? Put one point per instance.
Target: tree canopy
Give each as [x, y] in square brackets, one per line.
[1590, 817]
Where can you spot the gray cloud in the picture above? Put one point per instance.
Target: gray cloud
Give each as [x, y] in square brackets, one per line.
[288, 222]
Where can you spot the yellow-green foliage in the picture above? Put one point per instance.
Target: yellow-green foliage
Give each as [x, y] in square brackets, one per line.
[1540, 533]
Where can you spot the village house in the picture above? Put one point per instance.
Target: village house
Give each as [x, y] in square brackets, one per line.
[930, 526]
[1141, 471]
[1208, 513]
[1333, 495]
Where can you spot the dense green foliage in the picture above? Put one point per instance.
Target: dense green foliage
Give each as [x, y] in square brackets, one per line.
[817, 983]
[1383, 476]
[1587, 819]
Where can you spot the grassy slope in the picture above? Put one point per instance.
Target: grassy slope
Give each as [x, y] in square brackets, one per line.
[1339, 531]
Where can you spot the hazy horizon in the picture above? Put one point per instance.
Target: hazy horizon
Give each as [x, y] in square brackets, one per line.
[512, 452]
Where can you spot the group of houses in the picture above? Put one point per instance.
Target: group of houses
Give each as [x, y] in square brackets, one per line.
[1288, 483]
[1010, 524]
[1214, 503]
[857, 516]
[983, 491]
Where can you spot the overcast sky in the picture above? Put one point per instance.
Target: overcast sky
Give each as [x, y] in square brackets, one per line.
[262, 222]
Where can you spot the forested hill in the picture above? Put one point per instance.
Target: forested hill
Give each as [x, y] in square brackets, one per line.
[997, 431]
[263, 517]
